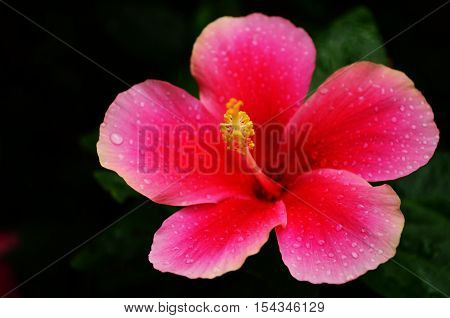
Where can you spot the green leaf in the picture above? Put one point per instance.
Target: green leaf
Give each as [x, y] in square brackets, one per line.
[88, 142]
[430, 183]
[208, 11]
[116, 262]
[350, 38]
[127, 241]
[115, 185]
[421, 267]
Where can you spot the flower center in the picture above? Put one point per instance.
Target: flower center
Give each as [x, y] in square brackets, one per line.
[237, 128]
[237, 132]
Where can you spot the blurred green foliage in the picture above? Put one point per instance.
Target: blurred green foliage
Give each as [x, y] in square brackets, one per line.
[350, 38]
[421, 267]
[115, 185]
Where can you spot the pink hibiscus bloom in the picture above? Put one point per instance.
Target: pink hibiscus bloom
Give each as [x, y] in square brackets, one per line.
[366, 122]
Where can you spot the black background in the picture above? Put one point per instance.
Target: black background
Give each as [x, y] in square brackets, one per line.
[51, 96]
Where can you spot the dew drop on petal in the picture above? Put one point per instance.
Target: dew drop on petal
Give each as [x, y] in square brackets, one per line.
[116, 138]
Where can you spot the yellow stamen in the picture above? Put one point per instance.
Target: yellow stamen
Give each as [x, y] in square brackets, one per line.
[237, 128]
[237, 131]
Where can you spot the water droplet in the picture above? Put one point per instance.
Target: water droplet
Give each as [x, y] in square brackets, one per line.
[308, 245]
[394, 119]
[189, 261]
[240, 238]
[354, 244]
[116, 138]
[330, 255]
[321, 242]
[338, 227]
[298, 238]
[324, 90]
[354, 255]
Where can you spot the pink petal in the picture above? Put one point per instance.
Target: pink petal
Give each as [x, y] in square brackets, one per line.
[266, 62]
[371, 120]
[152, 137]
[205, 241]
[339, 227]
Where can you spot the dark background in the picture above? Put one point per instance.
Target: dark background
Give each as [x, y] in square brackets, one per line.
[56, 196]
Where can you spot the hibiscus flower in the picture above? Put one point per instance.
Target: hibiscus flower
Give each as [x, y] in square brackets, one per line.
[239, 176]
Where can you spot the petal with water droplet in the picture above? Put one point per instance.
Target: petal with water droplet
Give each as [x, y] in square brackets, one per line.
[376, 133]
[272, 76]
[338, 244]
[226, 234]
[178, 157]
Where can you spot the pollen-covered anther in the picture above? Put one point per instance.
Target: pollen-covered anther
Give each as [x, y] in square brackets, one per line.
[237, 128]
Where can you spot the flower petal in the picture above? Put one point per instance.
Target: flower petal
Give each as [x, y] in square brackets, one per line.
[339, 227]
[205, 241]
[371, 120]
[267, 62]
[167, 146]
